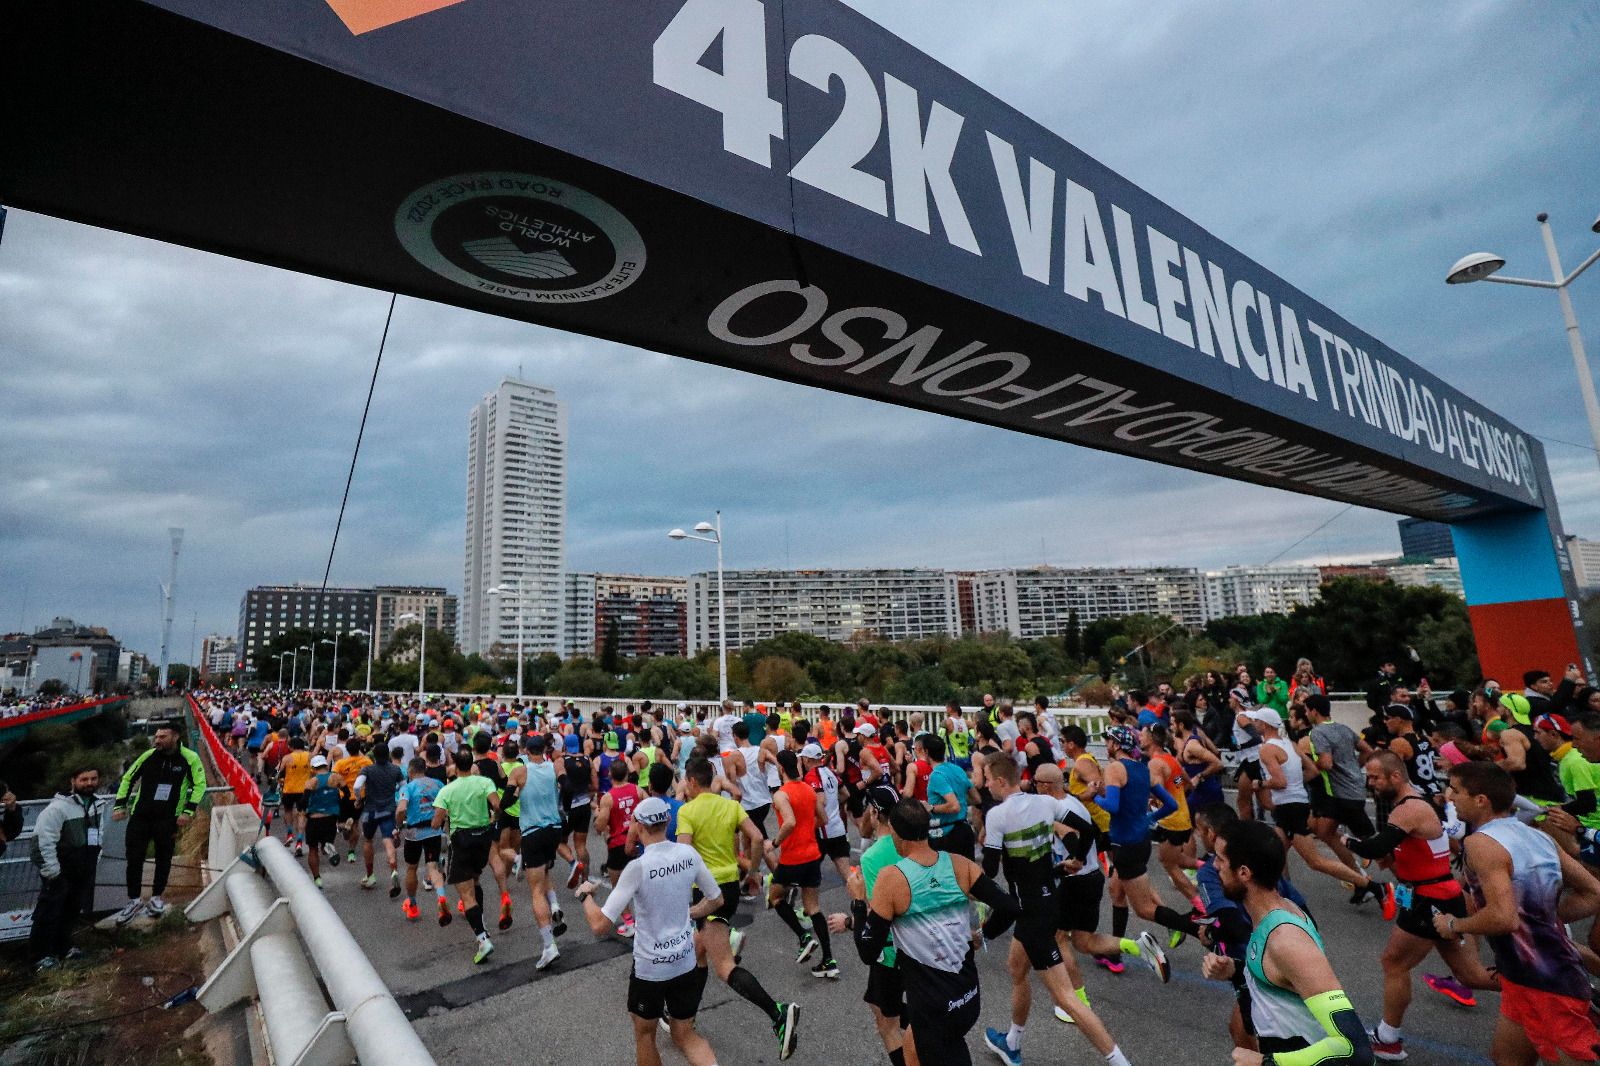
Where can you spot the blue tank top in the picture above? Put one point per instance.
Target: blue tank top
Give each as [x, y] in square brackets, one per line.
[321, 798]
[1130, 822]
[539, 798]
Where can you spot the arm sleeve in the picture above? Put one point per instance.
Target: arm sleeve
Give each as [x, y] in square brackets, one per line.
[622, 895]
[195, 792]
[1169, 806]
[871, 931]
[991, 861]
[1379, 844]
[1003, 910]
[1346, 1043]
[1111, 798]
[1078, 847]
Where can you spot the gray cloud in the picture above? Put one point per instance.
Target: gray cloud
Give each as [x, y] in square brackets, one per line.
[1357, 150]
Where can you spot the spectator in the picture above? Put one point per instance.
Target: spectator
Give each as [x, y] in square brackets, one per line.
[10, 817]
[66, 847]
[159, 793]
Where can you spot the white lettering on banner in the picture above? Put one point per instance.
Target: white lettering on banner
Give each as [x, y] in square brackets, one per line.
[1193, 298]
[924, 360]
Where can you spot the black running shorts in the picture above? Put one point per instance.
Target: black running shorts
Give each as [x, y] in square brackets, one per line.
[885, 990]
[677, 997]
[425, 849]
[539, 846]
[1129, 861]
[469, 854]
[799, 875]
[1078, 905]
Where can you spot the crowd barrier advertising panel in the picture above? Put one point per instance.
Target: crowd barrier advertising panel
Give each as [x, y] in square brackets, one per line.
[779, 186]
[245, 789]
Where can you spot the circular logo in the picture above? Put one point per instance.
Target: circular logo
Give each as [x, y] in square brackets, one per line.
[1530, 478]
[522, 237]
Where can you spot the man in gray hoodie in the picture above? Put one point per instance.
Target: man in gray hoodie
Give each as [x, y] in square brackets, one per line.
[66, 845]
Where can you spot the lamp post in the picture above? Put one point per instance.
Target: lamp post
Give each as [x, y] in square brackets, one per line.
[281, 656]
[701, 532]
[513, 590]
[370, 643]
[1482, 266]
[333, 679]
[311, 681]
[422, 653]
[312, 673]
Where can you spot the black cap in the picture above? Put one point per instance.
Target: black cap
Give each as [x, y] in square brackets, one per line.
[883, 797]
[1399, 710]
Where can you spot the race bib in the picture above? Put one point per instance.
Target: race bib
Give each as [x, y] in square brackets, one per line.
[163, 793]
[94, 836]
[1402, 896]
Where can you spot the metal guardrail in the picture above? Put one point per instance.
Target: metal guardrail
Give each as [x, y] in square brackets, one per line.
[287, 924]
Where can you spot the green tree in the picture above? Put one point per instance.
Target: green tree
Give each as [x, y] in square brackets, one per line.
[924, 686]
[1072, 639]
[583, 677]
[1358, 624]
[781, 679]
[671, 678]
[610, 654]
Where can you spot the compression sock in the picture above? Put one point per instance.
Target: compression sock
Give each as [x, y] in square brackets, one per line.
[1014, 1037]
[788, 917]
[1117, 1058]
[475, 918]
[897, 1057]
[744, 982]
[550, 897]
[1171, 919]
[1119, 921]
[548, 936]
[1129, 947]
[819, 927]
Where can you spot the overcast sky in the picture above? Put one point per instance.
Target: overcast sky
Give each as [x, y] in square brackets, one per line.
[1357, 149]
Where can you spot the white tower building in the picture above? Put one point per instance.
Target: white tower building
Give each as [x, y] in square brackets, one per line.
[516, 519]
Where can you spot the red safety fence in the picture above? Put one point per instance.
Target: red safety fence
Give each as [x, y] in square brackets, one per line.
[236, 777]
[56, 712]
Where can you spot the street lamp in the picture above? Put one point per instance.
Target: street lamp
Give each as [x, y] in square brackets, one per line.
[333, 679]
[313, 670]
[513, 590]
[1482, 266]
[281, 656]
[370, 643]
[715, 537]
[311, 680]
[422, 654]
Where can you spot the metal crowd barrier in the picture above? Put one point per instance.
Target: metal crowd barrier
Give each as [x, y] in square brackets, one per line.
[287, 925]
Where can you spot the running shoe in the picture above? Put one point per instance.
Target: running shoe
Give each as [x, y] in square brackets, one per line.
[45, 964]
[547, 957]
[1450, 988]
[445, 917]
[505, 912]
[332, 853]
[575, 878]
[516, 866]
[1384, 891]
[299, 850]
[317, 881]
[995, 1041]
[826, 968]
[130, 910]
[736, 943]
[73, 955]
[625, 930]
[157, 906]
[351, 856]
[369, 881]
[1107, 962]
[558, 928]
[408, 907]
[394, 884]
[461, 906]
[787, 1029]
[808, 946]
[485, 949]
[1063, 1016]
[1175, 938]
[1151, 955]
[556, 916]
[1387, 1050]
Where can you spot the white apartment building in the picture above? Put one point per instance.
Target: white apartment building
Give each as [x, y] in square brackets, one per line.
[1441, 573]
[432, 604]
[516, 519]
[1252, 590]
[1585, 555]
[1038, 602]
[840, 605]
[219, 655]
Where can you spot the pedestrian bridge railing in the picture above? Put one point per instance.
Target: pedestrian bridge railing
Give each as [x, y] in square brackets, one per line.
[292, 945]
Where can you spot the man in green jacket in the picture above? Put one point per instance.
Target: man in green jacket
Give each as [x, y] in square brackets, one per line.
[159, 793]
[66, 847]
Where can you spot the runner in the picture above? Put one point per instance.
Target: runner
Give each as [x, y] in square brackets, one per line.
[796, 862]
[1127, 796]
[922, 902]
[414, 813]
[377, 787]
[885, 993]
[1415, 839]
[294, 770]
[1300, 1013]
[1018, 836]
[748, 765]
[713, 824]
[577, 791]
[833, 835]
[1173, 834]
[1081, 889]
[658, 889]
[950, 793]
[1525, 888]
[1339, 796]
[349, 768]
[537, 781]
[1247, 742]
[468, 805]
[1414, 749]
[322, 812]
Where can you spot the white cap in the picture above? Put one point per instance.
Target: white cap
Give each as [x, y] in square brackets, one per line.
[812, 750]
[653, 811]
[1266, 716]
[319, 760]
[868, 728]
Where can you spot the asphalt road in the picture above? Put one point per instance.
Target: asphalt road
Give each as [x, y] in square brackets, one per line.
[504, 1011]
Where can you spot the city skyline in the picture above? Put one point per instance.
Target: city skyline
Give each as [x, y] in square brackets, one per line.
[234, 415]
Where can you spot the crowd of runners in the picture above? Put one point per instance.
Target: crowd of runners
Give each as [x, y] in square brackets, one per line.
[1472, 818]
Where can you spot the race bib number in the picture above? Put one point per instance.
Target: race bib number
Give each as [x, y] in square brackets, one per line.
[94, 837]
[163, 793]
[1402, 896]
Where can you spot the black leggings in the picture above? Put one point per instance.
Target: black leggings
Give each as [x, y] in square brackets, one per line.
[143, 832]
